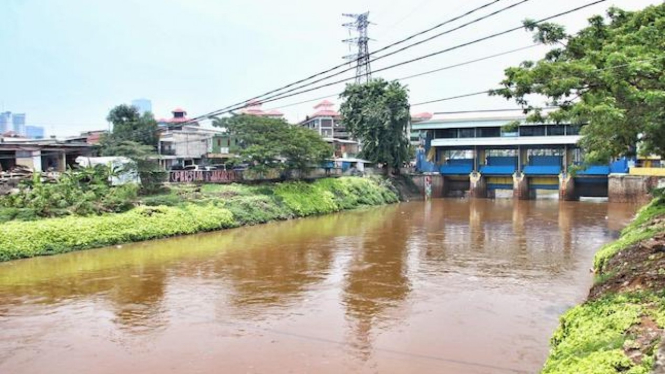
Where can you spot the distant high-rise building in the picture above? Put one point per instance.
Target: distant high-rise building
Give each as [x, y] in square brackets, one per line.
[18, 122]
[143, 105]
[5, 120]
[34, 132]
[14, 122]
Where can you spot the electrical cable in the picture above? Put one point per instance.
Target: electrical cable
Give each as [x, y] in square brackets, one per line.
[279, 97]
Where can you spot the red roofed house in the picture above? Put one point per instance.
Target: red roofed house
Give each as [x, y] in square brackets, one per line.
[253, 108]
[179, 119]
[327, 122]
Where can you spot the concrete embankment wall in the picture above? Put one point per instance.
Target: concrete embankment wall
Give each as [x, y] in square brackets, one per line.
[435, 180]
[633, 188]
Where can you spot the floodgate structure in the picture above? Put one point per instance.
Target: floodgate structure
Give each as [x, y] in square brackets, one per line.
[489, 153]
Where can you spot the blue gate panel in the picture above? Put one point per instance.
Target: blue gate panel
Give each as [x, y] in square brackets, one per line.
[542, 170]
[497, 170]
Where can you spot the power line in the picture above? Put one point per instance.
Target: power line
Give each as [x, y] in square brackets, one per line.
[343, 65]
[421, 74]
[394, 52]
[281, 96]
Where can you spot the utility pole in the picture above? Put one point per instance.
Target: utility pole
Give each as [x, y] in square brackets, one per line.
[360, 25]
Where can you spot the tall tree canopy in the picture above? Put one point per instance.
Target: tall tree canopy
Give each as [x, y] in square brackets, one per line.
[377, 114]
[130, 125]
[609, 76]
[264, 142]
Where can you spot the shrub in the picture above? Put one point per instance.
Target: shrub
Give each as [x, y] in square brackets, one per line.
[60, 235]
[162, 200]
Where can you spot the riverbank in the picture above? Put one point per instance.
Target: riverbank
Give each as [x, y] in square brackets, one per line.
[621, 326]
[192, 210]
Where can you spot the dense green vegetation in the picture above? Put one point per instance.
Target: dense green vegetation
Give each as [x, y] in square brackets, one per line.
[377, 114]
[619, 328]
[83, 192]
[190, 210]
[593, 337]
[270, 143]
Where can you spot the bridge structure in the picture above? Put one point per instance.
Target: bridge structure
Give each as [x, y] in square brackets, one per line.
[483, 153]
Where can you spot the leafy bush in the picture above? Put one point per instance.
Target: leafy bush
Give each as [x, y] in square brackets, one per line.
[253, 210]
[81, 192]
[162, 200]
[60, 235]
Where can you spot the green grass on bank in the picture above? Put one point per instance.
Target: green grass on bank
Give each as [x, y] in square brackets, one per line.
[597, 336]
[592, 338]
[640, 229]
[190, 210]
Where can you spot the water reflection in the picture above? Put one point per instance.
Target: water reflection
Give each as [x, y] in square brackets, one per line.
[376, 281]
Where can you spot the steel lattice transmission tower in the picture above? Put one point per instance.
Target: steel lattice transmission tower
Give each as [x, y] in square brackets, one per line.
[360, 25]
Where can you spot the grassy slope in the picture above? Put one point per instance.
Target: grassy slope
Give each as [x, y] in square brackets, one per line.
[214, 207]
[596, 336]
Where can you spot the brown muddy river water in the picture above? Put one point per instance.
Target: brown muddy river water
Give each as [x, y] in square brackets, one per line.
[451, 286]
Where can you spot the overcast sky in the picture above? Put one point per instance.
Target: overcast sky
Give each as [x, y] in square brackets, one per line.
[67, 62]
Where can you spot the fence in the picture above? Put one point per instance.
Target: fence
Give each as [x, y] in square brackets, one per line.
[247, 176]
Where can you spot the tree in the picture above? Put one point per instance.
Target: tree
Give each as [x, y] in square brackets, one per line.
[607, 77]
[135, 136]
[130, 125]
[377, 114]
[266, 142]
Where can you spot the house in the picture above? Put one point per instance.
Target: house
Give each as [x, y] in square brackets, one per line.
[195, 145]
[326, 121]
[178, 120]
[41, 154]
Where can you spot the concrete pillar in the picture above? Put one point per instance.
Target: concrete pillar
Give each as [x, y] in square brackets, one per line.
[521, 186]
[567, 188]
[523, 158]
[478, 188]
[62, 162]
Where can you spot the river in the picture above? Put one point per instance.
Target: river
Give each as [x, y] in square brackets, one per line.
[449, 286]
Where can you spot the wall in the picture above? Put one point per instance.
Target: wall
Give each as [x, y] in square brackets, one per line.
[632, 188]
[437, 185]
[191, 145]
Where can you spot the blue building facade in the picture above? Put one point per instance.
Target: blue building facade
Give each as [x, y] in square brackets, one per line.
[482, 152]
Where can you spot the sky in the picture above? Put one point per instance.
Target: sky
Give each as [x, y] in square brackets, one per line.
[66, 63]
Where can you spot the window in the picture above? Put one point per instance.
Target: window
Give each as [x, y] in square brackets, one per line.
[467, 133]
[545, 152]
[445, 134]
[556, 130]
[573, 130]
[327, 123]
[490, 132]
[532, 131]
